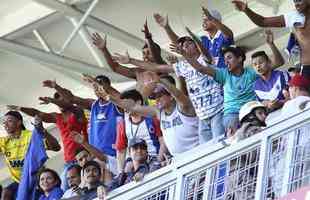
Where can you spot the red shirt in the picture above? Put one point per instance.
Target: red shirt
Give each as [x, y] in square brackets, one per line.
[65, 128]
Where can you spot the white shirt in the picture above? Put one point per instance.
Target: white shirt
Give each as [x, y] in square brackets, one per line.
[141, 131]
[294, 19]
[206, 94]
[180, 132]
[291, 107]
[69, 193]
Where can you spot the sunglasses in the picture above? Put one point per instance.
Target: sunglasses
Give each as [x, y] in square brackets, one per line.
[298, 1]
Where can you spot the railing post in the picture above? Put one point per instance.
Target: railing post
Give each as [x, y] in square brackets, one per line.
[261, 174]
[288, 160]
[179, 188]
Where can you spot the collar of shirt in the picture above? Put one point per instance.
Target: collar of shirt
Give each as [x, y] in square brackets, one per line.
[217, 35]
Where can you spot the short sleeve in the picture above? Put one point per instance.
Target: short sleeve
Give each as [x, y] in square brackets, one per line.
[294, 19]
[220, 75]
[121, 139]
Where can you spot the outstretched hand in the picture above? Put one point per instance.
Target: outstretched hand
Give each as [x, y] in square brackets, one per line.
[240, 5]
[49, 83]
[88, 78]
[38, 124]
[99, 42]
[77, 137]
[161, 21]
[146, 31]
[123, 59]
[269, 36]
[13, 107]
[45, 100]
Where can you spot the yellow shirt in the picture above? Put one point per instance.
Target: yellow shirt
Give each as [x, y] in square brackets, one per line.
[15, 150]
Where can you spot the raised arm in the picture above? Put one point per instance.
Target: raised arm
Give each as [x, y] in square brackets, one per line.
[79, 138]
[128, 104]
[277, 58]
[50, 141]
[45, 117]
[152, 45]
[148, 66]
[101, 44]
[182, 100]
[200, 46]
[259, 20]
[227, 32]
[164, 23]
[84, 103]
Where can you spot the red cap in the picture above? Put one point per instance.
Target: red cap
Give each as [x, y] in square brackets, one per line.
[300, 81]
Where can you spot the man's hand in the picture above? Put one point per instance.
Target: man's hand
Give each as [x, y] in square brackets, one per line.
[269, 36]
[101, 192]
[161, 21]
[138, 176]
[38, 123]
[127, 104]
[88, 78]
[99, 42]
[177, 49]
[304, 104]
[146, 31]
[172, 59]
[240, 5]
[13, 107]
[49, 83]
[123, 59]
[77, 137]
[45, 100]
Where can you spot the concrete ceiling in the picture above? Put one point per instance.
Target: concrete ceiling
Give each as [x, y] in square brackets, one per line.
[21, 74]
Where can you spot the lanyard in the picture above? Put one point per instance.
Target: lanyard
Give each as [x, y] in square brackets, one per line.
[136, 131]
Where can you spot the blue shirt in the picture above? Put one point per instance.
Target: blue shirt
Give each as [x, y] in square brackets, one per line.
[55, 194]
[238, 90]
[103, 120]
[215, 46]
[272, 88]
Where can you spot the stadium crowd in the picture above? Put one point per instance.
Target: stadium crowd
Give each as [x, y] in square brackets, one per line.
[132, 133]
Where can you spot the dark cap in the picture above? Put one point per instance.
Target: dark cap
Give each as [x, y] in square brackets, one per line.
[136, 141]
[17, 115]
[102, 79]
[300, 81]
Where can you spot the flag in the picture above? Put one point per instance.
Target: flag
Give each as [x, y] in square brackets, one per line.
[34, 160]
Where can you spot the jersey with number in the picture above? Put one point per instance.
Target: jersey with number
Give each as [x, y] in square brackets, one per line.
[205, 94]
[14, 150]
[103, 122]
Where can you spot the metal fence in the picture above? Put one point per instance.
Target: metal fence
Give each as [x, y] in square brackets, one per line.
[263, 167]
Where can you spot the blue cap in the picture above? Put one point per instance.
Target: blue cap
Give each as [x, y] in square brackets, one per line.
[137, 141]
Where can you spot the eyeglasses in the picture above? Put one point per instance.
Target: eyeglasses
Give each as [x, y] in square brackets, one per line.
[298, 1]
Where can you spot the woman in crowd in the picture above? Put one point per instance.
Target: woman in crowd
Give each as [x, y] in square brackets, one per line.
[49, 184]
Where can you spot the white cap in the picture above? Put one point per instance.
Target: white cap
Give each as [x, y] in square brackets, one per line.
[248, 108]
[216, 14]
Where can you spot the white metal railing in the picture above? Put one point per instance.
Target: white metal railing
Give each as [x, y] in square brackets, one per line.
[265, 166]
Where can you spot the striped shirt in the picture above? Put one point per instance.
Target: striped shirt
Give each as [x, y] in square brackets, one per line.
[205, 94]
